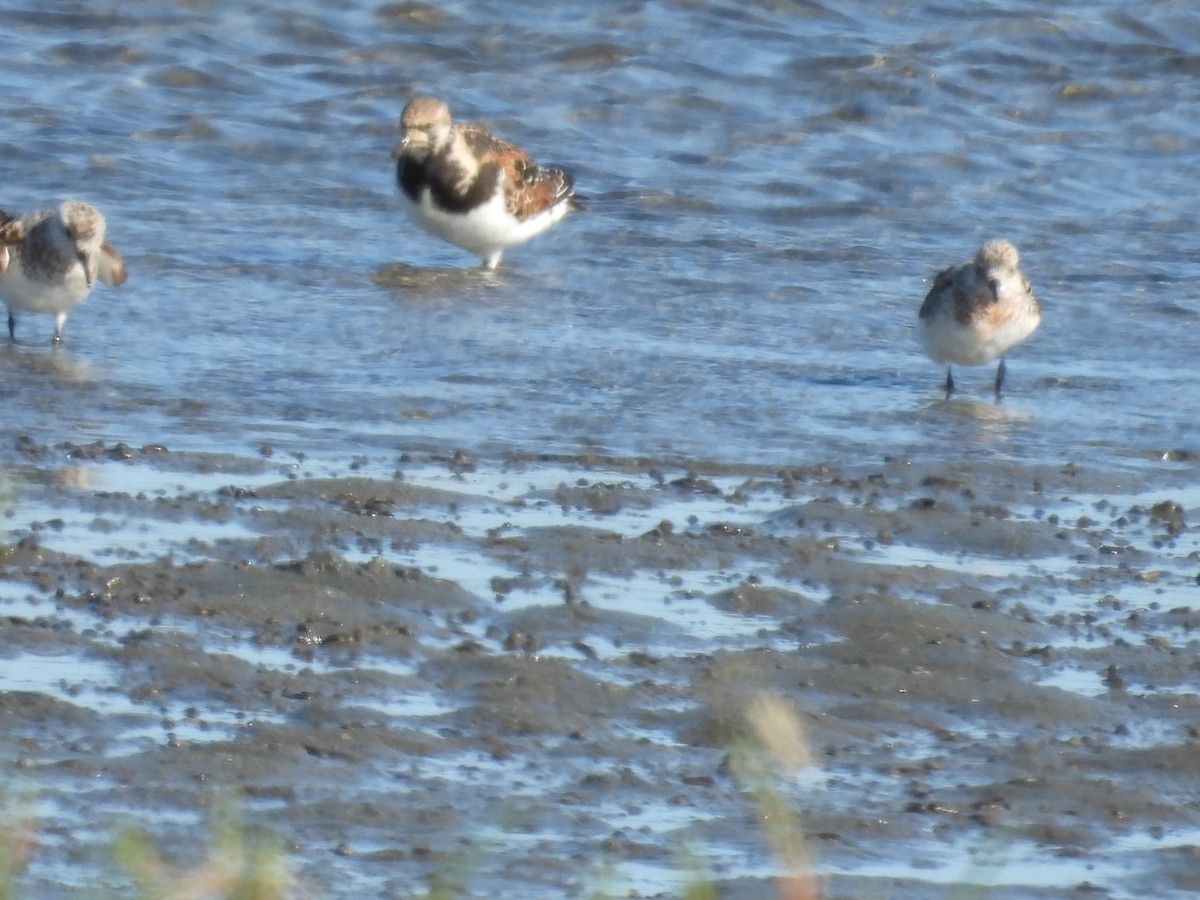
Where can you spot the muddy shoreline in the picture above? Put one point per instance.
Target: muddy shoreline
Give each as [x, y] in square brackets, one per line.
[531, 671]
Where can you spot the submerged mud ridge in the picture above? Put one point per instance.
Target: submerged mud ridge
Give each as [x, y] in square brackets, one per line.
[529, 672]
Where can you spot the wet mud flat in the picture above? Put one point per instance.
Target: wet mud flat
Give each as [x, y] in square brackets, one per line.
[527, 674]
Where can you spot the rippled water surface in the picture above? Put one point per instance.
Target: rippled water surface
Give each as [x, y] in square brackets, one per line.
[770, 188]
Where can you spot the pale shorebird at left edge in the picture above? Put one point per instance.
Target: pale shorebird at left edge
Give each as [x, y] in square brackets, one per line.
[51, 259]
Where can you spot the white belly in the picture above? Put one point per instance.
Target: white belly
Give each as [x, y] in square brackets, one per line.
[949, 342]
[486, 230]
[58, 296]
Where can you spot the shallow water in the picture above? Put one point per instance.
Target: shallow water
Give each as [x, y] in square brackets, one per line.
[771, 188]
[771, 191]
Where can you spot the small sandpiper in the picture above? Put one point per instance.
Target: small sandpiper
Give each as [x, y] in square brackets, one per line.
[50, 260]
[978, 310]
[474, 190]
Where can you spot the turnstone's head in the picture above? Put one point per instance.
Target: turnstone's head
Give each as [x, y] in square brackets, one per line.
[424, 127]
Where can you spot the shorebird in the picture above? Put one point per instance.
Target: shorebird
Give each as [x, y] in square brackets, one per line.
[978, 310]
[474, 190]
[50, 260]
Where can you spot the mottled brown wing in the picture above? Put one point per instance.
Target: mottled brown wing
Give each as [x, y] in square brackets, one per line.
[530, 188]
[542, 188]
[11, 229]
[11, 232]
[1029, 290]
[112, 269]
[941, 282]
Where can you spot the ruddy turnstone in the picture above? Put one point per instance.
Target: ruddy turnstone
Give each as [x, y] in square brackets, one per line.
[978, 310]
[474, 190]
[49, 261]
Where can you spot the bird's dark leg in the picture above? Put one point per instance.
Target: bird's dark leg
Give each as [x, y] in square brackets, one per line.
[999, 378]
[12, 327]
[949, 383]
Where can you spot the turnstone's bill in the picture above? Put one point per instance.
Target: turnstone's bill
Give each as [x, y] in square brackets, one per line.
[49, 261]
[978, 310]
[472, 189]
